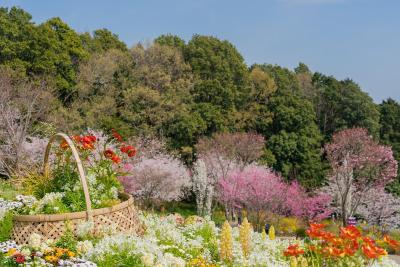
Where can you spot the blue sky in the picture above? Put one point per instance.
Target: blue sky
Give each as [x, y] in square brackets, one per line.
[357, 39]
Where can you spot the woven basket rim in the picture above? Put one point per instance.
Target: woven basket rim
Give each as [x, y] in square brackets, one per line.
[75, 215]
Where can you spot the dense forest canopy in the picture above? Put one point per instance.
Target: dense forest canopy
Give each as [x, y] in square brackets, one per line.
[182, 91]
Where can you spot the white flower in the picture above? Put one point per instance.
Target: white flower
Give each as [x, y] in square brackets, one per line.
[84, 229]
[34, 241]
[148, 259]
[26, 252]
[84, 247]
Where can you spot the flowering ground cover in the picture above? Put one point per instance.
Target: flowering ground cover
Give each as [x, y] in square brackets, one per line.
[174, 241]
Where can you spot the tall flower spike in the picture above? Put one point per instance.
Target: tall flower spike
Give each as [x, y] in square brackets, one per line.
[245, 237]
[271, 233]
[263, 235]
[226, 242]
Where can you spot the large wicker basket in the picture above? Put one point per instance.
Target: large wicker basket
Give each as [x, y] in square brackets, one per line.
[122, 216]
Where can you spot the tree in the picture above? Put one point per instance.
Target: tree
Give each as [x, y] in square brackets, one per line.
[102, 41]
[221, 77]
[226, 152]
[294, 140]
[203, 188]
[381, 209]
[342, 104]
[260, 190]
[171, 40]
[390, 134]
[158, 179]
[22, 104]
[358, 165]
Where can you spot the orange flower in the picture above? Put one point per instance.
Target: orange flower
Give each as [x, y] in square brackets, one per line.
[393, 243]
[372, 251]
[293, 250]
[368, 240]
[64, 144]
[349, 251]
[350, 232]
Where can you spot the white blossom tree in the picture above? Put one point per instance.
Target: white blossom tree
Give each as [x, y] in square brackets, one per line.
[203, 188]
[381, 209]
[162, 178]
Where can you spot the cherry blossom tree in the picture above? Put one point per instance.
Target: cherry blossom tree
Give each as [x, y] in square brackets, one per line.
[203, 188]
[259, 189]
[380, 208]
[359, 164]
[22, 103]
[155, 180]
[226, 152]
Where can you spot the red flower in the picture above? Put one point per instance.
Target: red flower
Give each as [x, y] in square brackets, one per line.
[116, 159]
[109, 153]
[116, 135]
[293, 250]
[19, 258]
[129, 150]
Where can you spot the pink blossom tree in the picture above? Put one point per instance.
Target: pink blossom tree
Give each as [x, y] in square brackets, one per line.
[259, 189]
[358, 164]
[226, 152]
[312, 207]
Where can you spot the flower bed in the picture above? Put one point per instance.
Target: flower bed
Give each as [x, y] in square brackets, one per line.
[175, 241]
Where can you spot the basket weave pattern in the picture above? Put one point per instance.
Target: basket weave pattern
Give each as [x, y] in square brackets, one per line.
[122, 217]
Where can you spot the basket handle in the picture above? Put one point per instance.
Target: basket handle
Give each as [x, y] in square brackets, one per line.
[78, 161]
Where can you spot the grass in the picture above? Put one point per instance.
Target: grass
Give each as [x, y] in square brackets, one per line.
[7, 190]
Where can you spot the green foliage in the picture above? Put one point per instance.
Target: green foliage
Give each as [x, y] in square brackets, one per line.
[342, 104]
[7, 190]
[170, 40]
[67, 240]
[390, 134]
[101, 41]
[295, 141]
[182, 91]
[6, 225]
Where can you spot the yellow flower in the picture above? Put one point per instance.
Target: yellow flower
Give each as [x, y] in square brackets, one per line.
[70, 254]
[271, 233]
[263, 235]
[11, 252]
[200, 262]
[226, 242]
[51, 259]
[302, 261]
[245, 237]
[293, 262]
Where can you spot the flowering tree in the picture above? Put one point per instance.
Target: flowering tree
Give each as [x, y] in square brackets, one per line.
[313, 207]
[202, 188]
[358, 164]
[259, 189]
[162, 178]
[226, 152]
[380, 208]
[21, 104]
